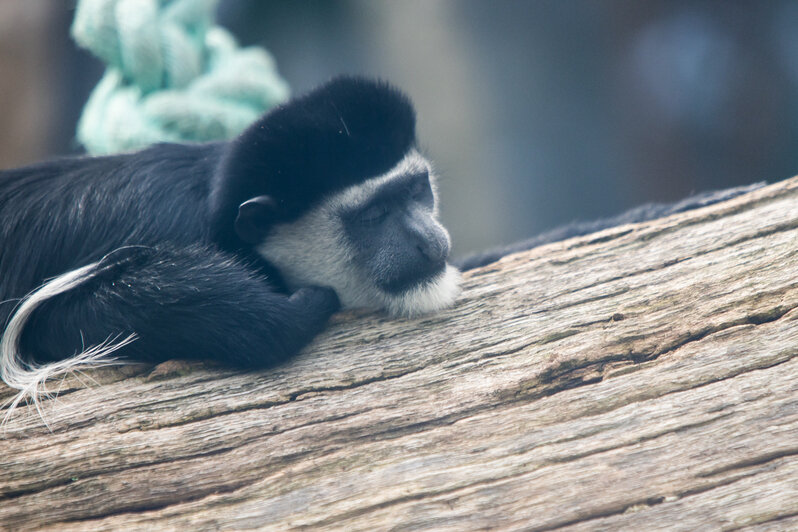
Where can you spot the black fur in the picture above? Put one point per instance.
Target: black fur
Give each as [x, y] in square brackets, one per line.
[316, 145]
[183, 302]
[173, 269]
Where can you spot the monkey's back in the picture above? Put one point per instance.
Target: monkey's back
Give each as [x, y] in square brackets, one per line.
[63, 214]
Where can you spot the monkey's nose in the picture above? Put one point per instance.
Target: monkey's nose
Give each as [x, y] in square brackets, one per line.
[435, 248]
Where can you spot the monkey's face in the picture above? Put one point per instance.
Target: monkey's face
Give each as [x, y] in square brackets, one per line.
[378, 244]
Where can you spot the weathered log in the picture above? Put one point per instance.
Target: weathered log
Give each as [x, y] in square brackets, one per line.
[643, 377]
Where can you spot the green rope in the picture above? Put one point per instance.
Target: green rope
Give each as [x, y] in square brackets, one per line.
[172, 75]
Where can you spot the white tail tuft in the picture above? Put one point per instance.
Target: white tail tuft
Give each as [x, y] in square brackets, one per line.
[30, 378]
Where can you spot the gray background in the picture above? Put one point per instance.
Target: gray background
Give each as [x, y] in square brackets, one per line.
[536, 113]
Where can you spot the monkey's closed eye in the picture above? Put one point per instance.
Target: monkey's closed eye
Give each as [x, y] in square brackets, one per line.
[374, 214]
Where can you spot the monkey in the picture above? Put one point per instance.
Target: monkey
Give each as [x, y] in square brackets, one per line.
[236, 251]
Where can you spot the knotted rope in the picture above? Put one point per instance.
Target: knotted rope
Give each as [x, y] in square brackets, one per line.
[172, 75]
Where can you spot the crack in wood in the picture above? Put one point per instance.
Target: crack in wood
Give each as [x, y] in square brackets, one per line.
[751, 462]
[780, 228]
[133, 509]
[567, 375]
[776, 519]
[636, 505]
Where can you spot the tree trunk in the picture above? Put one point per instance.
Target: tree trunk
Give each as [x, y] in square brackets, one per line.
[640, 378]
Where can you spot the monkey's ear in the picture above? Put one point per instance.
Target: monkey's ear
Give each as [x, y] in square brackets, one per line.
[254, 218]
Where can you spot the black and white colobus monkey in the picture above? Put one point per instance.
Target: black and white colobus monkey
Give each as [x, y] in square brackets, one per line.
[238, 251]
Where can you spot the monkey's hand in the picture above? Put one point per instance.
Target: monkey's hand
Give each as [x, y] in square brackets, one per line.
[324, 301]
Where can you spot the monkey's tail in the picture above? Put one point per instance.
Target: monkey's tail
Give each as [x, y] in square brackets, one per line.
[30, 378]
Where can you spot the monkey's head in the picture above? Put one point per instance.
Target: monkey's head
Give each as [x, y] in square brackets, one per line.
[331, 190]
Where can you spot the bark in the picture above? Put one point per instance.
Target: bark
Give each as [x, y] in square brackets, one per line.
[639, 378]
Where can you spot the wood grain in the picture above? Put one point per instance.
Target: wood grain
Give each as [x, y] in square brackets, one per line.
[641, 378]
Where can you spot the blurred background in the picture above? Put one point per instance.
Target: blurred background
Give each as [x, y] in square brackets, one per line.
[537, 113]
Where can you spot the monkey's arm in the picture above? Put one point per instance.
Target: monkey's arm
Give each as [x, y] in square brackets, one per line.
[176, 301]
